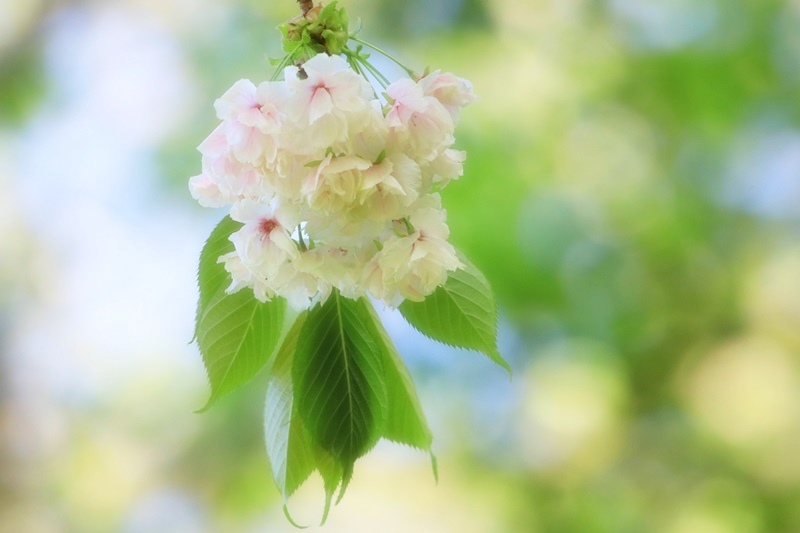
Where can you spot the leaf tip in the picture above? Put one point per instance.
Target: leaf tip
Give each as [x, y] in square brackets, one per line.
[435, 467]
[211, 401]
[291, 520]
[328, 498]
[347, 475]
[494, 355]
[502, 362]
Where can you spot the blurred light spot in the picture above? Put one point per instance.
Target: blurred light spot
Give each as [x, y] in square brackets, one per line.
[16, 17]
[716, 506]
[608, 154]
[540, 86]
[746, 392]
[28, 518]
[786, 44]
[121, 71]
[764, 173]
[103, 478]
[121, 293]
[166, 510]
[458, 503]
[550, 222]
[665, 24]
[572, 411]
[773, 295]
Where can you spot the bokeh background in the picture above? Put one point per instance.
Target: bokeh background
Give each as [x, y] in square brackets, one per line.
[632, 191]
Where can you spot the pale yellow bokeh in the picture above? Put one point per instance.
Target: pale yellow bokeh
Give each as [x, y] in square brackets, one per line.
[104, 476]
[16, 18]
[572, 413]
[609, 154]
[772, 296]
[746, 392]
[394, 491]
[714, 506]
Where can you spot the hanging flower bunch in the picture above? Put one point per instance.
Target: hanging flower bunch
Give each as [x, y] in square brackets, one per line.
[333, 188]
[336, 188]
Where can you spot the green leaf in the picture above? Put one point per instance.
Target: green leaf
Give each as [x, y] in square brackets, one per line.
[340, 388]
[405, 421]
[358, 339]
[236, 333]
[292, 455]
[461, 313]
[212, 275]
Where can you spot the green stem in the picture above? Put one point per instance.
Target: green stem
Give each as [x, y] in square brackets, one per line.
[375, 73]
[365, 43]
[356, 69]
[355, 63]
[283, 64]
[300, 236]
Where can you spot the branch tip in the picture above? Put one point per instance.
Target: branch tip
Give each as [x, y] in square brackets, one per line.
[305, 6]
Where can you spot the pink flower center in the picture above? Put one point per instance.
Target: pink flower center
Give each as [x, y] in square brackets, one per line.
[267, 225]
[320, 86]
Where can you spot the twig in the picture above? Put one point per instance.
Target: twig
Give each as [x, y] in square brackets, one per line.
[305, 6]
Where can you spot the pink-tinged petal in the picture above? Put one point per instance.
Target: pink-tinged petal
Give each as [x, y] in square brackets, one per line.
[250, 211]
[244, 180]
[273, 98]
[217, 167]
[208, 193]
[453, 92]
[247, 143]
[272, 93]
[322, 64]
[319, 105]
[408, 94]
[215, 144]
[251, 117]
[238, 98]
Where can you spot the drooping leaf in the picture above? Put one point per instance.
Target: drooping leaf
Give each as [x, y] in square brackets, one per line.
[461, 313]
[340, 387]
[236, 333]
[292, 455]
[405, 422]
[211, 275]
[332, 472]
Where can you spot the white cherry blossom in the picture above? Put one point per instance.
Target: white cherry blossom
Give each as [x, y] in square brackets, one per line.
[327, 105]
[453, 92]
[334, 185]
[418, 120]
[412, 266]
[333, 190]
[264, 242]
[251, 117]
[208, 193]
[448, 166]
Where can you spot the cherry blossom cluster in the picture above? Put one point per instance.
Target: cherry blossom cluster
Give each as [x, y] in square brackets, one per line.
[335, 188]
